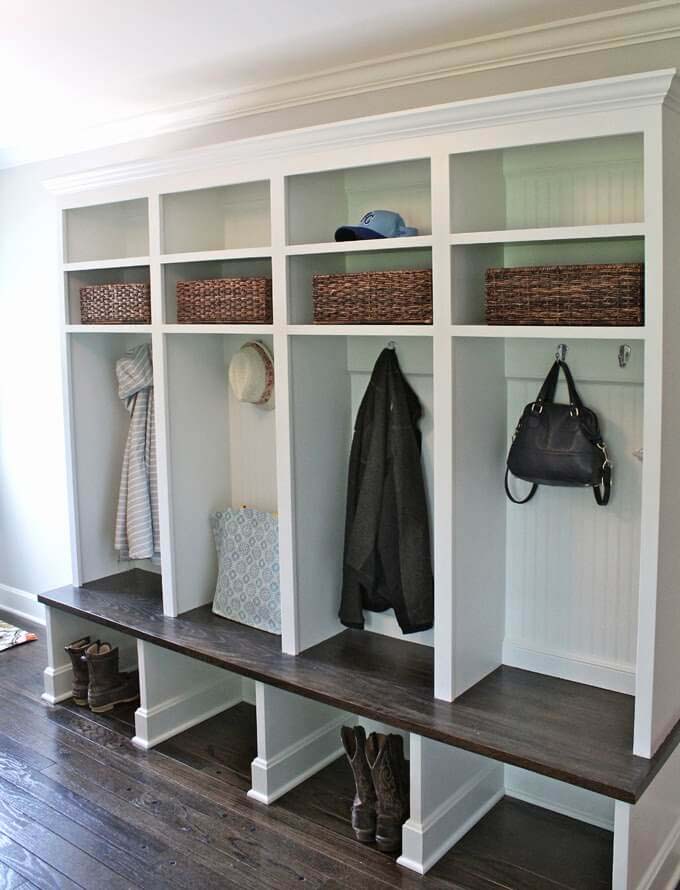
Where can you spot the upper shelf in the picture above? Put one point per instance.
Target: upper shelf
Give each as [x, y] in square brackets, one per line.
[368, 246]
[551, 233]
[575, 733]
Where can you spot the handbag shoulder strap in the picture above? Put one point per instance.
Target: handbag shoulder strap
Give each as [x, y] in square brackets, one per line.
[534, 489]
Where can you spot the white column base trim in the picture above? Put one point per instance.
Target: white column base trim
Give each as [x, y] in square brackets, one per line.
[616, 677]
[174, 715]
[276, 776]
[22, 604]
[424, 844]
[58, 684]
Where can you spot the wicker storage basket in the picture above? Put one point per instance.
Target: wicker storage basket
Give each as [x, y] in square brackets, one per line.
[225, 301]
[402, 297]
[610, 294]
[115, 304]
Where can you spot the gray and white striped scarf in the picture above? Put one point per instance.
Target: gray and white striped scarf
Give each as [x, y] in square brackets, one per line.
[137, 533]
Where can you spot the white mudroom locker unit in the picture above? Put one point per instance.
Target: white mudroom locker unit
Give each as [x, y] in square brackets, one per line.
[551, 672]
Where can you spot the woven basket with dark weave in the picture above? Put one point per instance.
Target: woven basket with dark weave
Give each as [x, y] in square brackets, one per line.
[401, 297]
[609, 294]
[115, 304]
[225, 301]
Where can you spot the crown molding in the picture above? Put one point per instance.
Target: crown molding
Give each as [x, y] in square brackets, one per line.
[641, 23]
[628, 91]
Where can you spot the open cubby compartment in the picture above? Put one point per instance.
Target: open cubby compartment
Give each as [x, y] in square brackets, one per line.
[576, 183]
[330, 375]
[99, 428]
[470, 262]
[88, 277]
[222, 453]
[301, 270]
[106, 231]
[197, 271]
[224, 217]
[319, 203]
[64, 628]
[550, 586]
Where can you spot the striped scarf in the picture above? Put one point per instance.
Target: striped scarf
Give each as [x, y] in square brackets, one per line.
[137, 533]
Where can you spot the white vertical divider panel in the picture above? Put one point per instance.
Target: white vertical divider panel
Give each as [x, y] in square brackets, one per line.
[177, 692]
[290, 642]
[296, 737]
[66, 371]
[479, 529]
[442, 533]
[451, 790]
[651, 467]
[161, 397]
[647, 835]
[658, 699]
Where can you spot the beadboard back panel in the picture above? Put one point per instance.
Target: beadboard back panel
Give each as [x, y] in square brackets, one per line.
[590, 182]
[572, 566]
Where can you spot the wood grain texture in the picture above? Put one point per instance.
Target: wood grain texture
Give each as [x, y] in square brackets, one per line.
[83, 808]
[568, 731]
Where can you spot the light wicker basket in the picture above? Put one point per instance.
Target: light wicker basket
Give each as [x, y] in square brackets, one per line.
[224, 301]
[115, 304]
[398, 297]
[605, 294]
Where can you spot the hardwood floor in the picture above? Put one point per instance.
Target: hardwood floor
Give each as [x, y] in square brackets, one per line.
[80, 806]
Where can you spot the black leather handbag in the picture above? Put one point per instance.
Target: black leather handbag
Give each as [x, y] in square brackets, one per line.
[557, 444]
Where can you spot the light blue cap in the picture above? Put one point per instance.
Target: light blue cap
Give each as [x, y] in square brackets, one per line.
[376, 224]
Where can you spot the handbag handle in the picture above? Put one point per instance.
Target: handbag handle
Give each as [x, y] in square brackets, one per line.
[547, 391]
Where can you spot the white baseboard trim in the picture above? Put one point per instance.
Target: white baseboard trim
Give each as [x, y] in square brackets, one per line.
[616, 677]
[174, 715]
[654, 877]
[22, 604]
[568, 800]
[276, 776]
[424, 844]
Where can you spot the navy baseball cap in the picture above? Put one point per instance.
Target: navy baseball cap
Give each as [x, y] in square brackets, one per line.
[376, 224]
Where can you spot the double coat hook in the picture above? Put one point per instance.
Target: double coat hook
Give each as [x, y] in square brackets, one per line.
[624, 353]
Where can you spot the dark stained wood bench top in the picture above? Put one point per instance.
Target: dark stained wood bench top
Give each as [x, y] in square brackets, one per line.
[569, 731]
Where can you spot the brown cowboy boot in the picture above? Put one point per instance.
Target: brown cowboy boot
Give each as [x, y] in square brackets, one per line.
[107, 687]
[76, 652]
[363, 806]
[385, 755]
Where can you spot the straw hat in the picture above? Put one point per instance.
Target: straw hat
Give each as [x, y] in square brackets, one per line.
[251, 375]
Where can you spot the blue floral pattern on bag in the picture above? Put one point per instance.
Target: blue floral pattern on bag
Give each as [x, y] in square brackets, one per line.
[247, 591]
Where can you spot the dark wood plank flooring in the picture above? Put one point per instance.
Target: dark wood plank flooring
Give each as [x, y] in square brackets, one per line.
[569, 731]
[81, 807]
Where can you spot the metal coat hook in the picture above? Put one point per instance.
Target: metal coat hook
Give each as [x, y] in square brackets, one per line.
[624, 355]
[561, 352]
[391, 344]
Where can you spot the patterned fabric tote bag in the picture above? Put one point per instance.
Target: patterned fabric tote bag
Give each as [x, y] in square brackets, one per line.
[247, 543]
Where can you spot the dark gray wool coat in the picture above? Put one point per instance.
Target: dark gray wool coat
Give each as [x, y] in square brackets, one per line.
[387, 560]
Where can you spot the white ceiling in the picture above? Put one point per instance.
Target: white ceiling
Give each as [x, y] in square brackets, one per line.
[66, 65]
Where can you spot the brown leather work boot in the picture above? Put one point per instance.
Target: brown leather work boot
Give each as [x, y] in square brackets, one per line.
[107, 687]
[363, 806]
[385, 755]
[81, 676]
